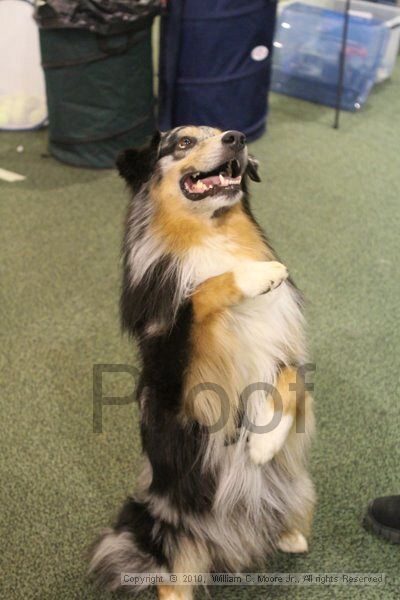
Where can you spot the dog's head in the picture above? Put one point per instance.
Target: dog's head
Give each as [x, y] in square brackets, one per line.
[202, 166]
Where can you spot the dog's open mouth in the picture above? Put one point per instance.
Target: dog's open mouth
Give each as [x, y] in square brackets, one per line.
[224, 179]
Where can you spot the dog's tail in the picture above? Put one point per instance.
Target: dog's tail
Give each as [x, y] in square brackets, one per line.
[130, 547]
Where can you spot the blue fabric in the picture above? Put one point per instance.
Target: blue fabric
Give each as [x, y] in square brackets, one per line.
[208, 73]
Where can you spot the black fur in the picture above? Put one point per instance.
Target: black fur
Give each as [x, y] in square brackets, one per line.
[136, 165]
[252, 169]
[175, 453]
[174, 450]
[150, 299]
[169, 142]
[136, 518]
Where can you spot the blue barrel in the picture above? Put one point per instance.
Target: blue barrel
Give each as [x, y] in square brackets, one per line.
[215, 64]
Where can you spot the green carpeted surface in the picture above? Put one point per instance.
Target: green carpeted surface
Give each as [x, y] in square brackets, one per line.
[331, 203]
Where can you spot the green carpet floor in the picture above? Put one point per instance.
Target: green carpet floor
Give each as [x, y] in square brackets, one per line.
[331, 203]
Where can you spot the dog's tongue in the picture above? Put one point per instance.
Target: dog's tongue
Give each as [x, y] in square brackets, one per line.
[213, 180]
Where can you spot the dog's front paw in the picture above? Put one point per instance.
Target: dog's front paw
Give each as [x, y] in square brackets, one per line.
[263, 447]
[256, 277]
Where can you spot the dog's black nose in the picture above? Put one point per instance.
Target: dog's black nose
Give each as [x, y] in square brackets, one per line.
[234, 139]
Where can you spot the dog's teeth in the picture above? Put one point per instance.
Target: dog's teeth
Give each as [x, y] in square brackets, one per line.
[200, 187]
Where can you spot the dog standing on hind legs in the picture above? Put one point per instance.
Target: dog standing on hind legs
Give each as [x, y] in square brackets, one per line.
[221, 334]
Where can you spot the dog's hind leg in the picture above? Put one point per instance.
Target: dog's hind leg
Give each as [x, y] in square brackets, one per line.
[299, 521]
[191, 559]
[175, 592]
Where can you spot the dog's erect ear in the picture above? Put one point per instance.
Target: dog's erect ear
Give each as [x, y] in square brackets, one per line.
[136, 165]
[252, 168]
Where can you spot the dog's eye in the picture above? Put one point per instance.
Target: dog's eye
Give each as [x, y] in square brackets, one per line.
[185, 142]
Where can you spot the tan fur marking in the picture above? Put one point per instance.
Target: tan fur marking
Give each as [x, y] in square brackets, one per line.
[292, 399]
[212, 348]
[214, 295]
[296, 401]
[238, 228]
[198, 133]
[171, 592]
[181, 230]
[173, 222]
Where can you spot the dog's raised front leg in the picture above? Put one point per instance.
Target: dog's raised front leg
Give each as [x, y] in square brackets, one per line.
[249, 280]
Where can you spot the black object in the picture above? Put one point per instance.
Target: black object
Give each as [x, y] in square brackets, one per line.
[105, 17]
[342, 64]
[215, 64]
[383, 517]
[97, 60]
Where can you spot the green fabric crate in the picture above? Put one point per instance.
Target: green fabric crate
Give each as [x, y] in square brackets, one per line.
[99, 93]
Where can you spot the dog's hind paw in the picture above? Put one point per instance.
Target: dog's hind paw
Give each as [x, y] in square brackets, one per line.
[293, 542]
[259, 277]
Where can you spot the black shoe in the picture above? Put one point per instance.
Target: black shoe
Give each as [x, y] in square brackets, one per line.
[383, 517]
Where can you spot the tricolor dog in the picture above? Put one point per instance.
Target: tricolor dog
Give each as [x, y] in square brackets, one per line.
[225, 419]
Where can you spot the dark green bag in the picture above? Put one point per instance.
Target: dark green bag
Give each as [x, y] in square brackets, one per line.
[99, 93]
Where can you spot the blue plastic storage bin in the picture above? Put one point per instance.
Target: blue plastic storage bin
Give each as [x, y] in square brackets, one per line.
[307, 49]
[215, 64]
